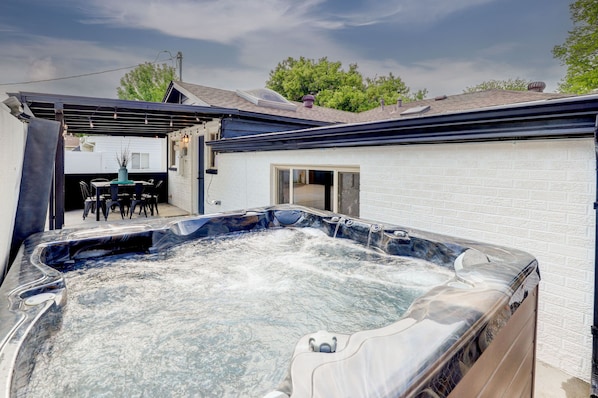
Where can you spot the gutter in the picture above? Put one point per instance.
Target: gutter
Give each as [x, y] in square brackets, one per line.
[570, 118]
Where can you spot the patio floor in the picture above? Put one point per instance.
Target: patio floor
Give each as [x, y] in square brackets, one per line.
[553, 383]
[74, 218]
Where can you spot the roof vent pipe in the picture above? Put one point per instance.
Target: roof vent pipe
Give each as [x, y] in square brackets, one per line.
[308, 100]
[536, 86]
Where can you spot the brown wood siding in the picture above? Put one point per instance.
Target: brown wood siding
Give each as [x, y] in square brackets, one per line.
[506, 368]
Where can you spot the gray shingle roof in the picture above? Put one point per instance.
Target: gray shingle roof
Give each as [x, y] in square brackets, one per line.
[457, 103]
[440, 105]
[229, 99]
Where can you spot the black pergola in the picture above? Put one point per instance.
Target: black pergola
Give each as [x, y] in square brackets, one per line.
[90, 115]
[104, 116]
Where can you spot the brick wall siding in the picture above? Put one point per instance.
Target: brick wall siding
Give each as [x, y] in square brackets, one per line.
[532, 195]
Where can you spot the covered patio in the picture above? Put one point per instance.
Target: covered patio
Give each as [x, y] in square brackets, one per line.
[102, 116]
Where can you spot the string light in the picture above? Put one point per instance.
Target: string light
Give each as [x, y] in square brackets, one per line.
[145, 118]
[171, 121]
[115, 116]
[90, 123]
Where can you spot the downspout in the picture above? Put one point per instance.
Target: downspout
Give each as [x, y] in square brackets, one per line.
[594, 380]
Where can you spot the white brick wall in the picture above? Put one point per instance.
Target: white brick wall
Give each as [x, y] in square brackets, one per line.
[533, 195]
[181, 182]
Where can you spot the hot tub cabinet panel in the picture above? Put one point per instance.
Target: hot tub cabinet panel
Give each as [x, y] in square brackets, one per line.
[473, 336]
[506, 367]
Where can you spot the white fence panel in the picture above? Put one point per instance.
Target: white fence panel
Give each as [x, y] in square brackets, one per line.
[98, 155]
[82, 162]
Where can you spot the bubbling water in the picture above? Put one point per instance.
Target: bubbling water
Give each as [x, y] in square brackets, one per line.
[218, 317]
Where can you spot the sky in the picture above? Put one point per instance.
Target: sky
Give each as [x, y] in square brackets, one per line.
[443, 46]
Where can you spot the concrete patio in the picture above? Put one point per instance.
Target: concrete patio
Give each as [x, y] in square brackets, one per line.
[553, 383]
[74, 218]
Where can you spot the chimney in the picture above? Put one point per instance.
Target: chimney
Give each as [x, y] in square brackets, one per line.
[536, 86]
[308, 100]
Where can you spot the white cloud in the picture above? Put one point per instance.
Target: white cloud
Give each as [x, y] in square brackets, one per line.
[452, 76]
[405, 12]
[428, 11]
[260, 34]
[439, 76]
[499, 49]
[265, 32]
[227, 78]
[226, 21]
[6, 28]
[41, 68]
[34, 58]
[222, 21]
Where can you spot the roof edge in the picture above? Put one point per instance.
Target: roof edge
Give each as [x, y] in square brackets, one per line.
[558, 118]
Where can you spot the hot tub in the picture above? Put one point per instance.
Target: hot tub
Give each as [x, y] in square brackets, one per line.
[472, 334]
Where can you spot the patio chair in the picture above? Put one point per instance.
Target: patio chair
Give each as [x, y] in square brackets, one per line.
[138, 199]
[94, 189]
[113, 201]
[89, 201]
[152, 199]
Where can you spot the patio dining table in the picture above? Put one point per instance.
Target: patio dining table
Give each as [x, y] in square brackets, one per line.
[102, 185]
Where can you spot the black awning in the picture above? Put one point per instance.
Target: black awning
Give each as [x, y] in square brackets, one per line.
[89, 115]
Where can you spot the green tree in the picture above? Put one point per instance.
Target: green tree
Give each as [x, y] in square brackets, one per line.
[147, 82]
[579, 52]
[335, 87]
[390, 89]
[516, 84]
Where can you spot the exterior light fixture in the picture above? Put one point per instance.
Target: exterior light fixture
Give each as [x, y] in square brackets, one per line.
[90, 123]
[186, 139]
[145, 121]
[115, 116]
[171, 121]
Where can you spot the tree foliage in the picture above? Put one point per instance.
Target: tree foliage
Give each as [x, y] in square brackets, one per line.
[335, 87]
[579, 52]
[147, 82]
[516, 84]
